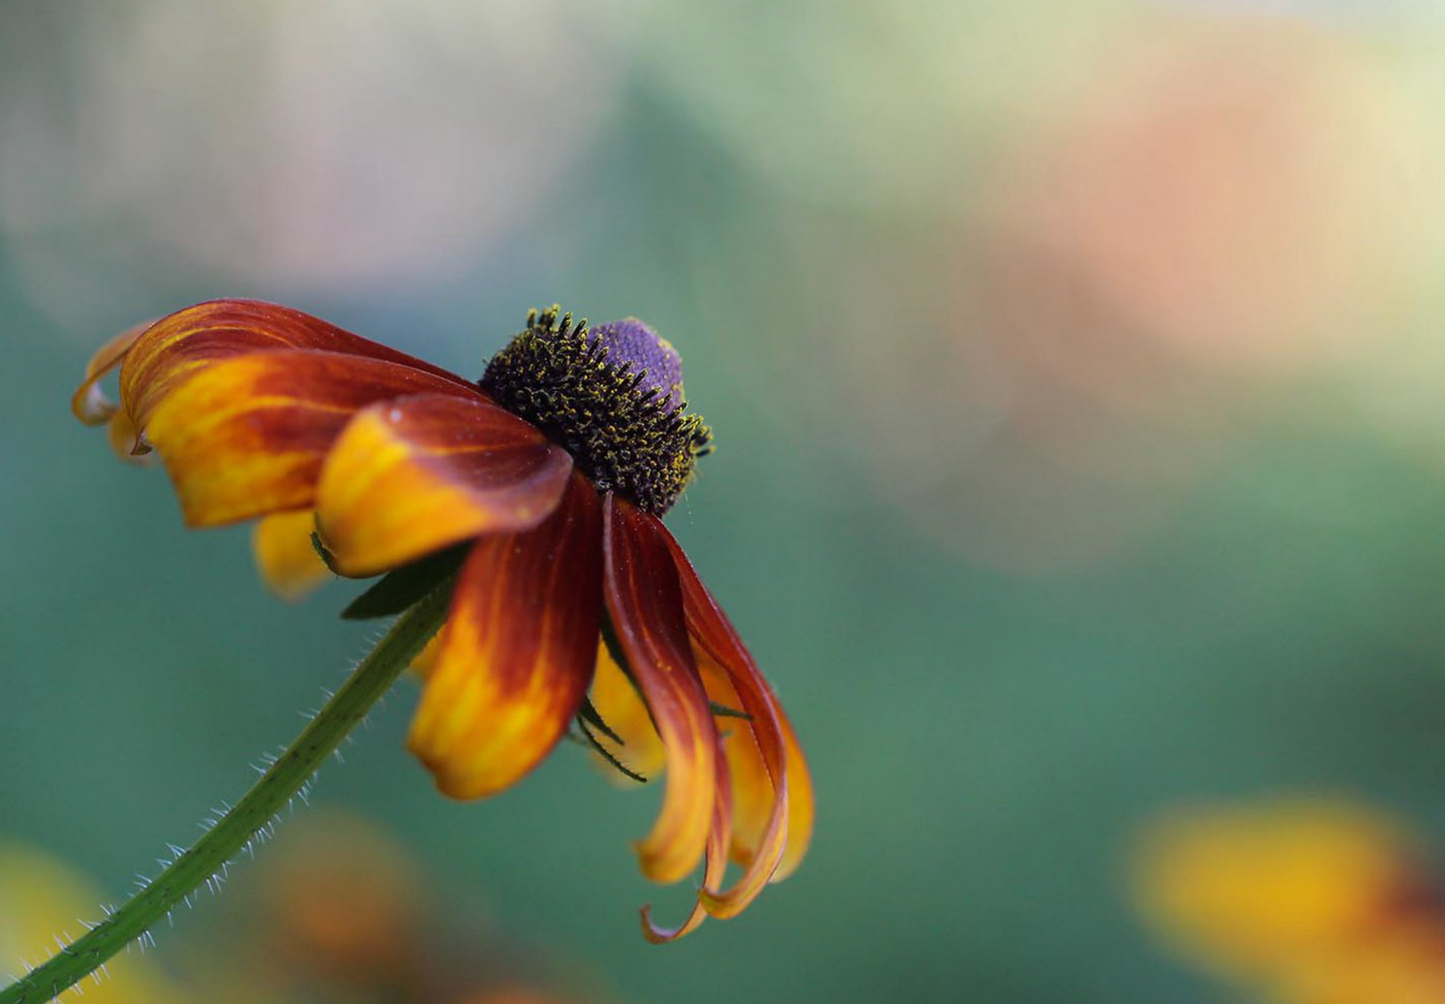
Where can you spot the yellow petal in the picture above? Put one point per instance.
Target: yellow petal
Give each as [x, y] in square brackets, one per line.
[410, 476]
[247, 435]
[621, 708]
[285, 555]
[517, 651]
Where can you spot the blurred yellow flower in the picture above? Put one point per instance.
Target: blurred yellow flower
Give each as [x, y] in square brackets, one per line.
[1308, 900]
[1407, 966]
[40, 901]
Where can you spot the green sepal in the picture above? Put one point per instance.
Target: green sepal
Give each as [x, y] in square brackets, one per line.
[324, 553]
[604, 752]
[589, 714]
[398, 589]
[723, 711]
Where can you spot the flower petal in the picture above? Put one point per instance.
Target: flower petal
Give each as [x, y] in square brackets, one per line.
[88, 403]
[517, 651]
[717, 863]
[285, 555]
[181, 343]
[426, 660]
[621, 708]
[246, 436]
[410, 476]
[645, 606]
[773, 792]
[125, 440]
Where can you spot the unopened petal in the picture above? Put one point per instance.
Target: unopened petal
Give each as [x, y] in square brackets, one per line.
[411, 476]
[517, 652]
[645, 606]
[286, 556]
[246, 436]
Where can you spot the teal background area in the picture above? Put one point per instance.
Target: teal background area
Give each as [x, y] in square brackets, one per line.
[1015, 600]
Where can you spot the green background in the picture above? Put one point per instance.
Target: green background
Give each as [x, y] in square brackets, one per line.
[1011, 609]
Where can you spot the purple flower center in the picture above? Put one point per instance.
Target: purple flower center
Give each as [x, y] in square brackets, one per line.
[635, 346]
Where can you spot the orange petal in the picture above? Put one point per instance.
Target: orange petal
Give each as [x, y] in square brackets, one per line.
[410, 476]
[773, 792]
[88, 403]
[620, 707]
[800, 803]
[645, 606]
[125, 441]
[288, 560]
[755, 803]
[246, 436]
[754, 795]
[426, 661]
[517, 651]
[178, 345]
[717, 863]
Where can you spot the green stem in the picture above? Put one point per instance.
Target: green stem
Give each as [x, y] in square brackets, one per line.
[286, 777]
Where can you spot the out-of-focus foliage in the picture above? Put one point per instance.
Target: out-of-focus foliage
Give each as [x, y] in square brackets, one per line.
[1079, 388]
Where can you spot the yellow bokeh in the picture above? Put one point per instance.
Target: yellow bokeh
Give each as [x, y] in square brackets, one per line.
[1252, 890]
[41, 899]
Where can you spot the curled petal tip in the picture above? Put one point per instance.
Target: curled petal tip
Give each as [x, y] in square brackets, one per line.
[662, 935]
[89, 403]
[91, 406]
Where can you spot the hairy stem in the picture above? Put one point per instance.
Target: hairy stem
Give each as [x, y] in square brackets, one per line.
[287, 776]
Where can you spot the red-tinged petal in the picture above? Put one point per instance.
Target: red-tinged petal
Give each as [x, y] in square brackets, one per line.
[754, 795]
[285, 555]
[89, 403]
[772, 772]
[181, 343]
[517, 650]
[645, 606]
[622, 710]
[410, 476]
[800, 803]
[717, 863]
[246, 436]
[755, 803]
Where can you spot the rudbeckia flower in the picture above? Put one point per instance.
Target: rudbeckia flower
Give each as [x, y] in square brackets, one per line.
[545, 481]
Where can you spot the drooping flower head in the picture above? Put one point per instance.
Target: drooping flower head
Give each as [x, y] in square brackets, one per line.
[542, 485]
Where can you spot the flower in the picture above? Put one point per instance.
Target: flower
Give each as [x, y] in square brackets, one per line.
[553, 470]
[1307, 900]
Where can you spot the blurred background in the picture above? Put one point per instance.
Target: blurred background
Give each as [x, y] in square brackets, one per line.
[1079, 390]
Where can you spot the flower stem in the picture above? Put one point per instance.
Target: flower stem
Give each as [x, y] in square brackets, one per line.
[287, 776]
